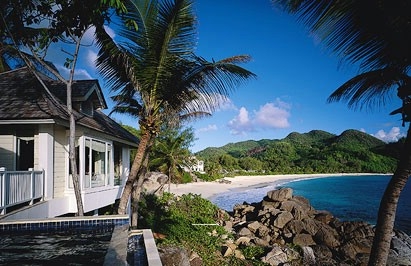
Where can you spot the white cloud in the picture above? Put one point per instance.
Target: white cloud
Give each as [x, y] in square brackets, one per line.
[110, 32]
[225, 103]
[89, 35]
[269, 116]
[91, 58]
[241, 123]
[79, 73]
[207, 128]
[392, 136]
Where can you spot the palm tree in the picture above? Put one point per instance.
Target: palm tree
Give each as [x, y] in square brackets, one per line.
[377, 35]
[157, 61]
[171, 154]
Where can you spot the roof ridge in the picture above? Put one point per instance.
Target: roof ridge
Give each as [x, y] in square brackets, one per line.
[14, 70]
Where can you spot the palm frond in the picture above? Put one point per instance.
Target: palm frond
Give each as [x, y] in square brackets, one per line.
[368, 89]
[157, 63]
[375, 34]
[215, 78]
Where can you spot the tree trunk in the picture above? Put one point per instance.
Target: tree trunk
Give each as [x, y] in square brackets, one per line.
[142, 150]
[388, 207]
[170, 175]
[72, 154]
[136, 195]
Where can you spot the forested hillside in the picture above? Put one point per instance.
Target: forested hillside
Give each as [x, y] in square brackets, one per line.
[314, 152]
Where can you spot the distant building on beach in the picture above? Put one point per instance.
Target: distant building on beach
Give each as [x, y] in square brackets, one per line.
[195, 165]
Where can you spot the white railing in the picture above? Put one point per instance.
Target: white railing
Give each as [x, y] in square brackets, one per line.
[18, 187]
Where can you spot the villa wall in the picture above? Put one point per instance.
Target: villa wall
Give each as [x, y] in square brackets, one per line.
[60, 155]
[37, 147]
[7, 156]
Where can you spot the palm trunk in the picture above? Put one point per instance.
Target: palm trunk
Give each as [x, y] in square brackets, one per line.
[170, 175]
[135, 196]
[388, 207]
[142, 150]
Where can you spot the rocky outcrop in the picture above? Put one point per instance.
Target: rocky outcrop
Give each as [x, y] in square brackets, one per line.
[294, 233]
[154, 183]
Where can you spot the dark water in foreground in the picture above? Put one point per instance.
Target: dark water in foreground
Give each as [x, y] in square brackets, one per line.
[55, 248]
[346, 197]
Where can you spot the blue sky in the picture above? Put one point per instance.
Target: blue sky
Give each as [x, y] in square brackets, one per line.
[295, 76]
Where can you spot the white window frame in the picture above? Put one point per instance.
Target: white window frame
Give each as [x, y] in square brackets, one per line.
[93, 181]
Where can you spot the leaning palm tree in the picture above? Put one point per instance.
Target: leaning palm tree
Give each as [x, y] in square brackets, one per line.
[156, 59]
[377, 35]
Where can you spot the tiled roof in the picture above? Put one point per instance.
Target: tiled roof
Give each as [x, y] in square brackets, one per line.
[82, 89]
[22, 97]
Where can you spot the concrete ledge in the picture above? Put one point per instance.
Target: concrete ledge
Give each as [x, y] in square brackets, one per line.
[153, 257]
[117, 251]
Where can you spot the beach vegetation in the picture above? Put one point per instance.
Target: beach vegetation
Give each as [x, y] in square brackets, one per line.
[187, 220]
[253, 252]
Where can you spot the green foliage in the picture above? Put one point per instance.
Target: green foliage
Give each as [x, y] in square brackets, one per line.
[253, 252]
[313, 152]
[186, 178]
[187, 220]
[250, 164]
[228, 162]
[170, 153]
[207, 177]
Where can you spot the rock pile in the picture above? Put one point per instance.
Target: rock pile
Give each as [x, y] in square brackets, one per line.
[294, 233]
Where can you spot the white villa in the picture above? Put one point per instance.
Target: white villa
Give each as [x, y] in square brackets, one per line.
[35, 177]
[195, 165]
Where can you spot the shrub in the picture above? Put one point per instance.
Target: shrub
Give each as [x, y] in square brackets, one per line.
[188, 220]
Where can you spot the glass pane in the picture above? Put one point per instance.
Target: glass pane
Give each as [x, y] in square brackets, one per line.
[87, 163]
[98, 161]
[108, 159]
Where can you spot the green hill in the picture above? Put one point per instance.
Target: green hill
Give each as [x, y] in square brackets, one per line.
[317, 151]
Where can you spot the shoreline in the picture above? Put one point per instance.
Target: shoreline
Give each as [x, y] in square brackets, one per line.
[209, 190]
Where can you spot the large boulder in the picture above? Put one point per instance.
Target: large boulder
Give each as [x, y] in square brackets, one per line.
[326, 235]
[303, 240]
[280, 194]
[282, 219]
[174, 256]
[400, 253]
[154, 183]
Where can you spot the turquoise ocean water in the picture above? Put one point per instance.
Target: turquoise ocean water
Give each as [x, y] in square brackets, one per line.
[346, 197]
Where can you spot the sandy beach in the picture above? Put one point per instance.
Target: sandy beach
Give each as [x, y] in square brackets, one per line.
[210, 189]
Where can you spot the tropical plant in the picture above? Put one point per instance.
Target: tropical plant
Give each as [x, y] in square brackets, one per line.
[156, 66]
[377, 35]
[170, 153]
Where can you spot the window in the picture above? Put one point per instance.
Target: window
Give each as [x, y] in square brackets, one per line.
[117, 165]
[97, 162]
[25, 153]
[94, 161]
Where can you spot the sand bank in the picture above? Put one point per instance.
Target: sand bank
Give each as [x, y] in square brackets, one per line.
[210, 189]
